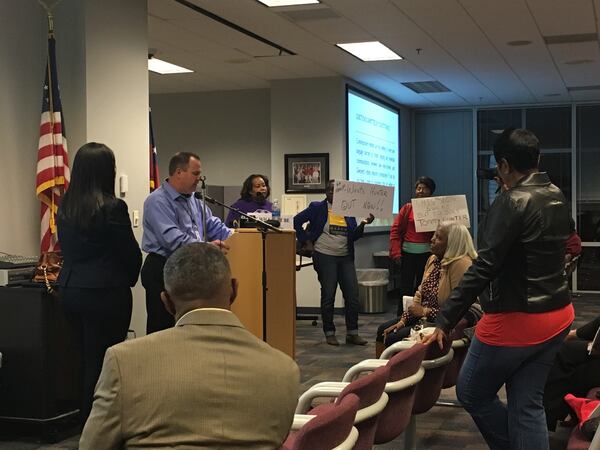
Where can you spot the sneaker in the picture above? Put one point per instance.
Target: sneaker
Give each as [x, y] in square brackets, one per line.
[331, 340]
[355, 339]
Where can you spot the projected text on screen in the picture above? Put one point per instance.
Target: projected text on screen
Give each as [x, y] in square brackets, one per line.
[373, 143]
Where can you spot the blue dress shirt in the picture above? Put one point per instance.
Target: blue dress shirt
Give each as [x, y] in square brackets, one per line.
[172, 219]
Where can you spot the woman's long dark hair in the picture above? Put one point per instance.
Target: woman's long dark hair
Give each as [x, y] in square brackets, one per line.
[246, 192]
[92, 185]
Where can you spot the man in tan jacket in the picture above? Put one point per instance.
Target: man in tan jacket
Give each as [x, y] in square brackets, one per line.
[206, 383]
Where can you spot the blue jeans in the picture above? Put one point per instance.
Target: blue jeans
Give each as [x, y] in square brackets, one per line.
[521, 423]
[332, 270]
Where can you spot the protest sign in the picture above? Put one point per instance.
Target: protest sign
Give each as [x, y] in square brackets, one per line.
[430, 211]
[355, 199]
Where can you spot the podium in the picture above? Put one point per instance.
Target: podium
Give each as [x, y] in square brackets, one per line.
[276, 322]
[39, 374]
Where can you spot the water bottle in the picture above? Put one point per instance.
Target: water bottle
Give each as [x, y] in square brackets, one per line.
[276, 213]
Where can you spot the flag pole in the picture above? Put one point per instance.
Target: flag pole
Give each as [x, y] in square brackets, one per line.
[53, 200]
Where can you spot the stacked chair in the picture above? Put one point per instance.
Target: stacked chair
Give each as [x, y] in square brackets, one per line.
[428, 390]
[460, 347]
[372, 400]
[390, 392]
[405, 373]
[332, 428]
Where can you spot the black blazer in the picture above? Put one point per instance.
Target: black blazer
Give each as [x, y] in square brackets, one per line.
[107, 256]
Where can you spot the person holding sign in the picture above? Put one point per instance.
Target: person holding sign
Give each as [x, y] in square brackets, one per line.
[408, 248]
[331, 238]
[575, 371]
[453, 253]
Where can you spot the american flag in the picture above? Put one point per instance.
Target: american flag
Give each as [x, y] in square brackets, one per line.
[53, 173]
[154, 178]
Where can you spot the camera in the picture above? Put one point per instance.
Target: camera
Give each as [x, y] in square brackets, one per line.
[487, 174]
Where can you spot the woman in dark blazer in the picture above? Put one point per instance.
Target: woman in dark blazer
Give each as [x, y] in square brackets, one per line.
[102, 261]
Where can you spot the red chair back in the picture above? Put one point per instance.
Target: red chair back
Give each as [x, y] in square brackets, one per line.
[396, 416]
[329, 429]
[453, 369]
[368, 389]
[428, 390]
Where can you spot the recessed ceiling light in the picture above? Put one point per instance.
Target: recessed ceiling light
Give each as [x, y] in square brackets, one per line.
[518, 43]
[276, 3]
[163, 67]
[370, 51]
[576, 62]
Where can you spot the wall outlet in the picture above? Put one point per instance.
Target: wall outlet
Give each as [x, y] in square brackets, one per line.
[136, 218]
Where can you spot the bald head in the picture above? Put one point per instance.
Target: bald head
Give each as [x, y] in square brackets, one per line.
[198, 276]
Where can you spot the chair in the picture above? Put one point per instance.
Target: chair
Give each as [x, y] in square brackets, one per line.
[577, 440]
[428, 390]
[405, 373]
[370, 391]
[460, 346]
[332, 428]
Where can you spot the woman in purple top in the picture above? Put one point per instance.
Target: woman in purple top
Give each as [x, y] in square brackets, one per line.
[254, 194]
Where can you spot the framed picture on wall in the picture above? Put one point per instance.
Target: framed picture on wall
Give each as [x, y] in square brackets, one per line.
[306, 173]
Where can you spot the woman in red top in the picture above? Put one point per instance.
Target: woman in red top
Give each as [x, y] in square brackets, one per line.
[409, 249]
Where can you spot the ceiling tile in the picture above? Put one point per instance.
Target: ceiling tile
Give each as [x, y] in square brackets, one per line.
[533, 63]
[463, 45]
[579, 64]
[559, 17]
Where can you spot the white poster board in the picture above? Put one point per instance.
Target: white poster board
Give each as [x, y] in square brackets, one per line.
[430, 211]
[292, 204]
[354, 199]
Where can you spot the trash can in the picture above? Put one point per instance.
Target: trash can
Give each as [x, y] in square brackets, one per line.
[372, 290]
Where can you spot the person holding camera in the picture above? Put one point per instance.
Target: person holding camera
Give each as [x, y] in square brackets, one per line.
[410, 249]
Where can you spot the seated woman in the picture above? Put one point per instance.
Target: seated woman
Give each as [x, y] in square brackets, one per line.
[254, 195]
[452, 254]
[575, 372]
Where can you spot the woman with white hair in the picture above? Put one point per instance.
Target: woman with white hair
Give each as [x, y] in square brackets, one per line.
[452, 254]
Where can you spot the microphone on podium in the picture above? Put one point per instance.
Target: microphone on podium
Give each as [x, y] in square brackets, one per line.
[198, 195]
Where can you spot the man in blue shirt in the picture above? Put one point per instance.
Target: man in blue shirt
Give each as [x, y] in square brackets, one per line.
[173, 218]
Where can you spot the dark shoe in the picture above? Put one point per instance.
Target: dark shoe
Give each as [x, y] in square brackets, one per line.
[331, 340]
[355, 339]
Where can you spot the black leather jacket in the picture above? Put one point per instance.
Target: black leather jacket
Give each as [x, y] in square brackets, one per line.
[522, 249]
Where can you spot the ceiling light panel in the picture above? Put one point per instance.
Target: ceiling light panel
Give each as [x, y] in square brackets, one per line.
[164, 67]
[278, 3]
[370, 51]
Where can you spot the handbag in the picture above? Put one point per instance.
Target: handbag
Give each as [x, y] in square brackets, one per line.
[47, 269]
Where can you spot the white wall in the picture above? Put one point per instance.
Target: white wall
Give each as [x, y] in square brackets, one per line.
[117, 101]
[104, 89]
[22, 63]
[308, 116]
[230, 130]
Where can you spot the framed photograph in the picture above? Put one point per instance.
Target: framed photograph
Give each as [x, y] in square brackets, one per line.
[306, 173]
